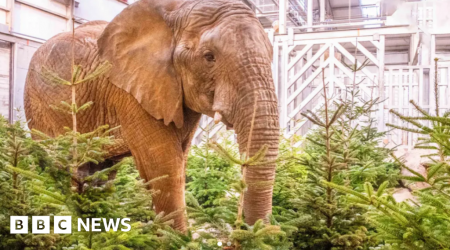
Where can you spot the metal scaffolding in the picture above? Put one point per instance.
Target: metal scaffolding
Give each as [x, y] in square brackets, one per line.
[399, 43]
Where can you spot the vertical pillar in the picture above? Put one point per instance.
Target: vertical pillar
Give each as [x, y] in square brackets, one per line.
[282, 86]
[283, 5]
[309, 55]
[424, 14]
[307, 91]
[425, 50]
[433, 70]
[71, 14]
[322, 11]
[12, 48]
[293, 104]
[310, 14]
[9, 14]
[432, 49]
[14, 81]
[276, 68]
[381, 95]
[349, 10]
[331, 76]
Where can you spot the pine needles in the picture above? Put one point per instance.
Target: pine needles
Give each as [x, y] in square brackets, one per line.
[343, 151]
[424, 222]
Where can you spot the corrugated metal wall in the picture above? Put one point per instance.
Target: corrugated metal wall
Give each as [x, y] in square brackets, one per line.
[5, 63]
[26, 24]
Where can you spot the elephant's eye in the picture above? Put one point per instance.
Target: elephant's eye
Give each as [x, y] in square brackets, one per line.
[209, 56]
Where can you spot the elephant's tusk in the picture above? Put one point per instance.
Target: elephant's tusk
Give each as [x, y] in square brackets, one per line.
[217, 117]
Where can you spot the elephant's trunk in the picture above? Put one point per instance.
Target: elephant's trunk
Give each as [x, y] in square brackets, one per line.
[259, 179]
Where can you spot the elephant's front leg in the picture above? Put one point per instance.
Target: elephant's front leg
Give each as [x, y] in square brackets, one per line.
[157, 150]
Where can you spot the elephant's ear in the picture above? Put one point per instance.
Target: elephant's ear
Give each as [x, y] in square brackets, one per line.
[139, 44]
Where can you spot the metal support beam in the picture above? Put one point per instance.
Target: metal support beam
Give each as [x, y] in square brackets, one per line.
[322, 10]
[381, 95]
[432, 98]
[332, 58]
[9, 14]
[11, 81]
[282, 89]
[282, 16]
[310, 14]
[71, 12]
[346, 7]
[414, 49]
[330, 9]
[388, 30]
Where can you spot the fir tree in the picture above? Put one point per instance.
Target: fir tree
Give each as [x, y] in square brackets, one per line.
[228, 219]
[289, 174]
[342, 150]
[424, 222]
[69, 192]
[19, 165]
[209, 175]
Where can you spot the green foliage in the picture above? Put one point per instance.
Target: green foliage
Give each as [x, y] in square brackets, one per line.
[19, 171]
[414, 225]
[289, 174]
[60, 187]
[36, 180]
[48, 172]
[344, 150]
[423, 222]
[260, 236]
[332, 193]
[221, 216]
[208, 175]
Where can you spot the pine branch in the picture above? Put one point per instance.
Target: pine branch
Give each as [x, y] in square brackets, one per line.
[25, 173]
[103, 68]
[51, 78]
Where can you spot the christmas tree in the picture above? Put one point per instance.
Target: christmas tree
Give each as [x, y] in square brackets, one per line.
[344, 150]
[422, 222]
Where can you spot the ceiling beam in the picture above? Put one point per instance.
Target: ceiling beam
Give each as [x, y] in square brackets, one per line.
[354, 7]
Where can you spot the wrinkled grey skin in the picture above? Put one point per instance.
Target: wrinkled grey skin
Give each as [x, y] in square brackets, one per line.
[172, 61]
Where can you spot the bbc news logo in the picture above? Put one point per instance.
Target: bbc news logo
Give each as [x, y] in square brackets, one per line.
[63, 224]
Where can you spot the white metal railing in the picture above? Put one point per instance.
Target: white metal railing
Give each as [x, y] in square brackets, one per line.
[299, 64]
[299, 75]
[405, 83]
[305, 52]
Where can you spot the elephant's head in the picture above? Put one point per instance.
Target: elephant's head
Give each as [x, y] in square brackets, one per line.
[212, 57]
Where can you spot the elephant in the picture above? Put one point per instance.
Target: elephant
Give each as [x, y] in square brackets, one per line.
[172, 61]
